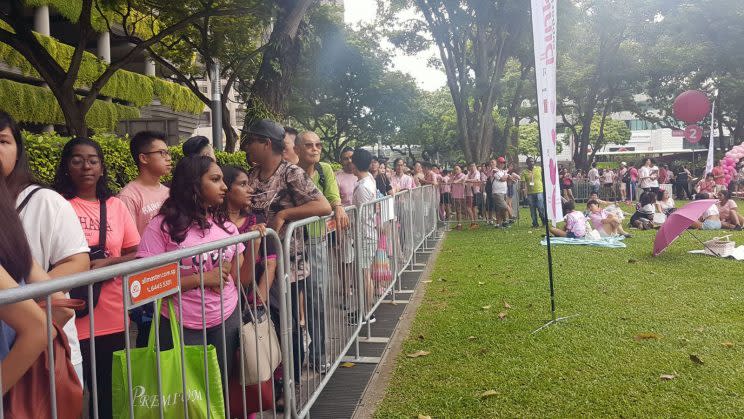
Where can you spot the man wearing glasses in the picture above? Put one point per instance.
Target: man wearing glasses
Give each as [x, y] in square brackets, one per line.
[308, 148]
[143, 197]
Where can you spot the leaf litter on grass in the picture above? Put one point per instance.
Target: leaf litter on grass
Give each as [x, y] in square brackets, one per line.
[418, 354]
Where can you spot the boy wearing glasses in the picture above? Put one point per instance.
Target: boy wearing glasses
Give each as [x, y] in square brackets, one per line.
[144, 195]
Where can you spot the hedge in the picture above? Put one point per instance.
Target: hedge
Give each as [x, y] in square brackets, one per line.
[45, 151]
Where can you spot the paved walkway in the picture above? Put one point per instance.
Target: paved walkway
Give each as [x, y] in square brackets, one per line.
[343, 394]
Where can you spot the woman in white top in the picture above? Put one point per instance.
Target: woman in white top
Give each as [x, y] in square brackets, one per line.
[52, 228]
[711, 218]
[664, 202]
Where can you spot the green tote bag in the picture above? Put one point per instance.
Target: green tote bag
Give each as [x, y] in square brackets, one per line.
[145, 380]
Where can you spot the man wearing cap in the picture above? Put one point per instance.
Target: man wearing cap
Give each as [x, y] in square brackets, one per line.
[282, 192]
[532, 185]
[498, 191]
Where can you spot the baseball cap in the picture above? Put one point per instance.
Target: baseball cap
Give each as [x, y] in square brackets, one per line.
[623, 164]
[268, 129]
[501, 160]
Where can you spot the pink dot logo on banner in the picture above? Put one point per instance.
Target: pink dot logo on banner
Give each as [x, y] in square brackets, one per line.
[553, 135]
[553, 171]
[694, 133]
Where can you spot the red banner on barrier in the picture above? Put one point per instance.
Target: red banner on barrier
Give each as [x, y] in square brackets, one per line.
[153, 284]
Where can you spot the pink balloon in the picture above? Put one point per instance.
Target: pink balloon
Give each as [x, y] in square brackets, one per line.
[728, 160]
[728, 179]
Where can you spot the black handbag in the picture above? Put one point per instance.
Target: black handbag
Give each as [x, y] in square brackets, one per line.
[96, 252]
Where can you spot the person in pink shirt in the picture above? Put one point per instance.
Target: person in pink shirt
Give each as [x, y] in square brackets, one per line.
[719, 176]
[445, 195]
[457, 180]
[400, 180]
[474, 186]
[189, 217]
[727, 208]
[345, 177]
[145, 194]
[575, 227]
[603, 221]
[83, 180]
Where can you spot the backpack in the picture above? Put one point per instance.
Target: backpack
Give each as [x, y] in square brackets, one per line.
[626, 176]
[322, 178]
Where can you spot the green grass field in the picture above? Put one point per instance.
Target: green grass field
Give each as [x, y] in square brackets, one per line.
[638, 318]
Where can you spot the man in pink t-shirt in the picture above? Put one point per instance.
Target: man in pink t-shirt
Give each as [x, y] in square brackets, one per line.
[400, 180]
[144, 195]
[345, 177]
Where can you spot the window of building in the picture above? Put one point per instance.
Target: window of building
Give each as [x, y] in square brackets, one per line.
[206, 118]
[640, 125]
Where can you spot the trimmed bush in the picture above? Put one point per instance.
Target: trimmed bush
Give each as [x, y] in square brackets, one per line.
[45, 150]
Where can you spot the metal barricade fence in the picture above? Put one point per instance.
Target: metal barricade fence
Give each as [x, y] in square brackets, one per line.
[328, 283]
[143, 282]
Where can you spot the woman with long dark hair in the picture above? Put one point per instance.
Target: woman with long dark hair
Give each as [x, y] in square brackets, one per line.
[192, 216]
[53, 233]
[22, 325]
[83, 180]
[237, 208]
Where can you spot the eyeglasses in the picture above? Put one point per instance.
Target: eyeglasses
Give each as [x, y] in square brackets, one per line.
[80, 161]
[309, 146]
[163, 153]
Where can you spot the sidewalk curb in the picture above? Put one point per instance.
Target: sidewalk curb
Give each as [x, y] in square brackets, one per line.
[378, 383]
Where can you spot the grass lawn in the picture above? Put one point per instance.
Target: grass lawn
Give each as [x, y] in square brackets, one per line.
[639, 318]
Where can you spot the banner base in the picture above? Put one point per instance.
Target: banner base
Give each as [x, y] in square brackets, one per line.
[552, 322]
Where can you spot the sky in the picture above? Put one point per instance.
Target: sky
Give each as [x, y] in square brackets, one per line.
[365, 11]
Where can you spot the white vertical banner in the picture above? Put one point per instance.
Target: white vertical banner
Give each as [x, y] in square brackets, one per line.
[712, 143]
[544, 20]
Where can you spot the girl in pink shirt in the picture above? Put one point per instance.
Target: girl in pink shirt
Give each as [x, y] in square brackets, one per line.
[730, 218]
[189, 217]
[603, 221]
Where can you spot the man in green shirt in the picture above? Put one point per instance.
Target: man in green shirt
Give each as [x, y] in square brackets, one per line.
[308, 148]
[532, 186]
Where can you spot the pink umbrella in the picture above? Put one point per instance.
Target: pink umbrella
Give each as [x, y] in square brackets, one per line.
[678, 221]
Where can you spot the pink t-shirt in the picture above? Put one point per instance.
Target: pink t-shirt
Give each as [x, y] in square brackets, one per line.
[633, 174]
[458, 189]
[474, 186]
[155, 242]
[402, 182]
[718, 171]
[346, 183]
[444, 184]
[596, 219]
[725, 209]
[121, 233]
[143, 202]
[576, 223]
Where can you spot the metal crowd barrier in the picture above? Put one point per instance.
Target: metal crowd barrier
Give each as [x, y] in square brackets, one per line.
[143, 282]
[328, 283]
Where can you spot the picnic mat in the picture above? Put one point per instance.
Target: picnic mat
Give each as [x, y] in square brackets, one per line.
[737, 254]
[614, 242]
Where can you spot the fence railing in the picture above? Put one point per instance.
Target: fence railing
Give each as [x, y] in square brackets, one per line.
[215, 351]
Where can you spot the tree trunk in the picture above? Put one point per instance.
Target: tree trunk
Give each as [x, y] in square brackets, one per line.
[272, 86]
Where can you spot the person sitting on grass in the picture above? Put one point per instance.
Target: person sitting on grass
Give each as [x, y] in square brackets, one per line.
[575, 227]
[711, 218]
[644, 216]
[706, 185]
[727, 209]
[603, 221]
[664, 202]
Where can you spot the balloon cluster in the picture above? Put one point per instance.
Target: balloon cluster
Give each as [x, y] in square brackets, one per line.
[729, 161]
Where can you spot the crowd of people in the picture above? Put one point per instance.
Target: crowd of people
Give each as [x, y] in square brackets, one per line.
[628, 181]
[77, 224]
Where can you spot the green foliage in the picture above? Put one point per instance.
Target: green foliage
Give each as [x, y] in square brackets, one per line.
[45, 149]
[529, 140]
[128, 86]
[614, 132]
[32, 104]
[177, 97]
